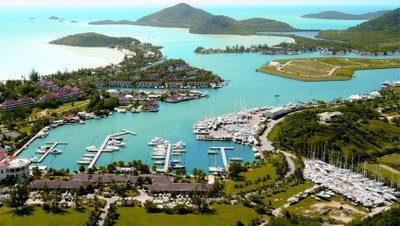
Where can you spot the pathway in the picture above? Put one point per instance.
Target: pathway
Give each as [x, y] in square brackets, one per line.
[266, 145]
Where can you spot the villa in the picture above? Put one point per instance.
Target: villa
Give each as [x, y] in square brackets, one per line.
[326, 117]
[13, 166]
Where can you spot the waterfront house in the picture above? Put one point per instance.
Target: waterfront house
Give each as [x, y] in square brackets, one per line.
[139, 97]
[112, 92]
[148, 84]
[172, 85]
[122, 100]
[199, 85]
[120, 84]
[62, 95]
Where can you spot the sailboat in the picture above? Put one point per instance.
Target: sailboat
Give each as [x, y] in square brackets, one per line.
[215, 169]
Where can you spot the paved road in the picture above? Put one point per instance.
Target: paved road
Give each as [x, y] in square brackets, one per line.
[266, 145]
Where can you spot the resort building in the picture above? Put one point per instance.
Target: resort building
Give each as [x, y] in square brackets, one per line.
[9, 105]
[148, 84]
[275, 112]
[327, 117]
[13, 166]
[120, 84]
[159, 183]
[49, 85]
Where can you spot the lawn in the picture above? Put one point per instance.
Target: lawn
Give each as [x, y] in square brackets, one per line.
[224, 215]
[280, 199]
[40, 218]
[314, 69]
[253, 175]
[392, 160]
[380, 171]
[70, 106]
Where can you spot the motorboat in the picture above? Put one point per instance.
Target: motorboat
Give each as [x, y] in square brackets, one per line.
[55, 151]
[91, 149]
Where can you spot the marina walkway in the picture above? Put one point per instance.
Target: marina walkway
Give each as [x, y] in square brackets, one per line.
[167, 157]
[31, 140]
[223, 154]
[50, 149]
[103, 145]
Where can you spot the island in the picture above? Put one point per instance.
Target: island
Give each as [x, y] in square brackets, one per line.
[201, 22]
[91, 39]
[324, 69]
[54, 18]
[376, 37]
[335, 15]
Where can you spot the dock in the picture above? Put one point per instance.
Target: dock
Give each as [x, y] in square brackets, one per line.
[54, 145]
[167, 158]
[31, 140]
[103, 145]
[224, 160]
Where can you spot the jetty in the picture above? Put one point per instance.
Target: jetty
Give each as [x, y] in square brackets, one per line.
[103, 145]
[45, 129]
[167, 158]
[54, 145]
[224, 160]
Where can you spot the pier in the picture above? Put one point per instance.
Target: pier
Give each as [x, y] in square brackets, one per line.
[103, 145]
[224, 160]
[50, 149]
[167, 158]
[31, 140]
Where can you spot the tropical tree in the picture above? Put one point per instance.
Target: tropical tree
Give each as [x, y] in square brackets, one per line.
[18, 196]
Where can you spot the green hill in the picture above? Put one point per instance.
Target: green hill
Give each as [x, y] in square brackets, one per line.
[94, 40]
[201, 22]
[181, 15]
[381, 33]
[220, 25]
[335, 15]
[261, 24]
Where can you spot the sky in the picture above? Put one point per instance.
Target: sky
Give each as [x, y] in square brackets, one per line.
[39, 3]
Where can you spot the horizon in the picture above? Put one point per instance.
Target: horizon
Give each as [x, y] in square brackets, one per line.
[195, 3]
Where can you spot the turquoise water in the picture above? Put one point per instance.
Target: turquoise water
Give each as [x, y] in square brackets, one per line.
[23, 46]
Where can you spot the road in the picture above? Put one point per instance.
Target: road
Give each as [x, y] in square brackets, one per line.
[266, 145]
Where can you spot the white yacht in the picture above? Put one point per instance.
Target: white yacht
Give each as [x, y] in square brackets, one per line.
[56, 151]
[91, 149]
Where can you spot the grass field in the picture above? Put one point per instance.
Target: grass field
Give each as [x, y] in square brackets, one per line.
[381, 171]
[224, 215]
[326, 69]
[279, 199]
[392, 160]
[252, 175]
[40, 218]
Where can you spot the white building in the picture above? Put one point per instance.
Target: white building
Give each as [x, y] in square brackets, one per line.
[13, 166]
[112, 92]
[327, 116]
[275, 112]
[274, 63]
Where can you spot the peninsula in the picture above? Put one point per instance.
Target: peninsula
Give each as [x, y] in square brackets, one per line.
[201, 22]
[379, 34]
[335, 15]
[325, 69]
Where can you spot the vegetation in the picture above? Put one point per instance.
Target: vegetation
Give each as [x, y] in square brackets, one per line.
[35, 216]
[392, 160]
[200, 22]
[326, 69]
[223, 215]
[379, 34]
[293, 219]
[19, 194]
[335, 15]
[91, 39]
[387, 218]
[356, 136]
